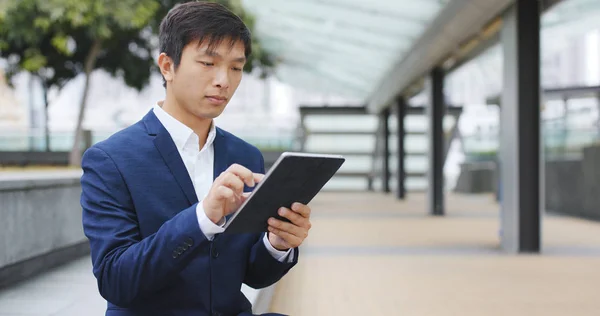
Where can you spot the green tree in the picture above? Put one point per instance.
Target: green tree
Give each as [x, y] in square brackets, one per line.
[23, 45]
[57, 40]
[104, 28]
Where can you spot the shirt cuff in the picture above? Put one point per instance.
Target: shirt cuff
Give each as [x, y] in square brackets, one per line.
[208, 228]
[277, 254]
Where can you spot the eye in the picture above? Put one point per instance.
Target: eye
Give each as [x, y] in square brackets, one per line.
[237, 69]
[207, 63]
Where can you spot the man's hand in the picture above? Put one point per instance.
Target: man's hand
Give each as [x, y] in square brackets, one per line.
[283, 235]
[227, 192]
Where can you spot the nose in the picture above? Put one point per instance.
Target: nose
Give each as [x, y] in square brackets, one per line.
[221, 80]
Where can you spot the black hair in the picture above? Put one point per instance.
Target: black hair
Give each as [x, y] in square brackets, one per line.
[199, 21]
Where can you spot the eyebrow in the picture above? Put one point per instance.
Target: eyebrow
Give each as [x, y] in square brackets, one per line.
[215, 54]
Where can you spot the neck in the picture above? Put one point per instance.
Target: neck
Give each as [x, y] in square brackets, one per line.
[200, 126]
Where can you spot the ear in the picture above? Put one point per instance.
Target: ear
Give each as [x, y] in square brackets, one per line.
[167, 67]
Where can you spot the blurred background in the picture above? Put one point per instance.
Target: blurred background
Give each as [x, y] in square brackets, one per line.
[471, 131]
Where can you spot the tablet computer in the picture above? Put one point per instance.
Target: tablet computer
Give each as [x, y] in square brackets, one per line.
[295, 177]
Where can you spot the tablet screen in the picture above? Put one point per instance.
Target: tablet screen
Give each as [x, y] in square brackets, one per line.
[295, 177]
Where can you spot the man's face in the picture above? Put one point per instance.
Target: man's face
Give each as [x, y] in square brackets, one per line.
[205, 81]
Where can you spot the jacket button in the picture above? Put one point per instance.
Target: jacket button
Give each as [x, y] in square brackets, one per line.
[180, 250]
[175, 255]
[214, 253]
[189, 242]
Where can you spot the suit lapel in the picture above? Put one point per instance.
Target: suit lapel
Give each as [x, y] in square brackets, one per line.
[221, 159]
[167, 149]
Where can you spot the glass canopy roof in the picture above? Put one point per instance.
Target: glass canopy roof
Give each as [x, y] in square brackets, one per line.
[342, 47]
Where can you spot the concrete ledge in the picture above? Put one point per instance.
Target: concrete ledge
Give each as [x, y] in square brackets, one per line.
[564, 186]
[571, 183]
[25, 181]
[477, 177]
[590, 185]
[41, 222]
[52, 174]
[25, 158]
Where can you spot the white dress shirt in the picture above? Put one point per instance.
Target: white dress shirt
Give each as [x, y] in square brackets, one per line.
[199, 164]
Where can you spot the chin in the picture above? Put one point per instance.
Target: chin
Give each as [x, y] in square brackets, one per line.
[209, 114]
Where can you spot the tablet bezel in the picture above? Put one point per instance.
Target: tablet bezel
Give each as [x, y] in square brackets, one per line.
[272, 170]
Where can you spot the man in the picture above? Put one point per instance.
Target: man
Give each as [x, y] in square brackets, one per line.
[156, 195]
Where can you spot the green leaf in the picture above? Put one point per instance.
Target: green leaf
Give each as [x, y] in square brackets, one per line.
[60, 42]
[103, 31]
[34, 60]
[43, 23]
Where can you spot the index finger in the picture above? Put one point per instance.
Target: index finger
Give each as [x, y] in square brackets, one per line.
[301, 209]
[258, 177]
[243, 173]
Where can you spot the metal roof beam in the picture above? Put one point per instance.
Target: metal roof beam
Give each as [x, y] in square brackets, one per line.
[458, 22]
[462, 23]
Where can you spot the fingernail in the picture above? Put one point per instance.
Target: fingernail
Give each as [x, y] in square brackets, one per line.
[271, 221]
[281, 211]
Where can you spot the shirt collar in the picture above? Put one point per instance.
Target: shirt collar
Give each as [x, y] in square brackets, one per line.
[180, 133]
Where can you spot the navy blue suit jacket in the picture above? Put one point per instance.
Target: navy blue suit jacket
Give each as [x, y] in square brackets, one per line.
[148, 252]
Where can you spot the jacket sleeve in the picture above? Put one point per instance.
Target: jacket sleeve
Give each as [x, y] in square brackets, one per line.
[125, 265]
[264, 270]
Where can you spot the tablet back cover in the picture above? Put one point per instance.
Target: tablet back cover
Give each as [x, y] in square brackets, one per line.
[296, 179]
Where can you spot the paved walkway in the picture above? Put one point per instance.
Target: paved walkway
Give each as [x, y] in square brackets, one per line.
[69, 290]
[371, 255]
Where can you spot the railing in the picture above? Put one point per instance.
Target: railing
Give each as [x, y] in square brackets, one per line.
[265, 139]
[35, 140]
[415, 147]
[348, 131]
[557, 141]
[270, 139]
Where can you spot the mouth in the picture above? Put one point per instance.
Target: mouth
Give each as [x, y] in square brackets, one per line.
[216, 99]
